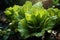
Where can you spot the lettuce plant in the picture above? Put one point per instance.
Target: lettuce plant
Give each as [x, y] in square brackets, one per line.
[36, 23]
[31, 20]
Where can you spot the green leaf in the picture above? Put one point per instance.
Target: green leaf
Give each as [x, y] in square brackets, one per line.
[27, 6]
[38, 5]
[7, 13]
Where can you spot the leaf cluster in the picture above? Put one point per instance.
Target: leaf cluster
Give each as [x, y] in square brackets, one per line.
[31, 20]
